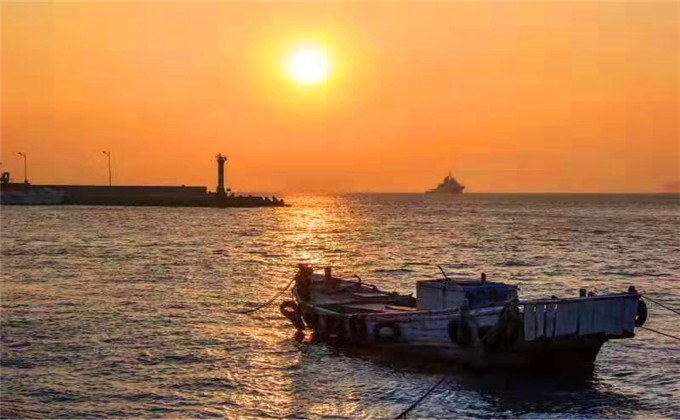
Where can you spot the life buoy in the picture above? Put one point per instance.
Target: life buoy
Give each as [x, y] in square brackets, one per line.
[460, 332]
[641, 315]
[291, 310]
[386, 331]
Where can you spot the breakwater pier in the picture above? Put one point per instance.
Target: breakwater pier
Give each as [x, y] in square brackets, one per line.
[25, 193]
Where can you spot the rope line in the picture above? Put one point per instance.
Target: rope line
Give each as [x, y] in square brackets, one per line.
[659, 332]
[661, 304]
[267, 303]
[412, 406]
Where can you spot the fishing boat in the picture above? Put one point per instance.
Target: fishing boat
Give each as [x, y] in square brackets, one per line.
[469, 320]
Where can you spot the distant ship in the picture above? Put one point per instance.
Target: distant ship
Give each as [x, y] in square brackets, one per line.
[448, 186]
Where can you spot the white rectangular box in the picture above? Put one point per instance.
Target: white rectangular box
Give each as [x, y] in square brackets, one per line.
[439, 294]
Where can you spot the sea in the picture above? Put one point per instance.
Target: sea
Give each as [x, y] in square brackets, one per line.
[129, 311]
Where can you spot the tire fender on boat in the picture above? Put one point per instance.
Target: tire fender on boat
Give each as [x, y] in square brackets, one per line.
[386, 331]
[291, 310]
[505, 332]
[641, 315]
[461, 332]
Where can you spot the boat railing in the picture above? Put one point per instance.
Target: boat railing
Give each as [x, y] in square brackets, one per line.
[609, 315]
[578, 298]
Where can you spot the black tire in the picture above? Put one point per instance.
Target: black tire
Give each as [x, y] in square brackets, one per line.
[287, 307]
[291, 311]
[460, 332]
[395, 332]
[641, 315]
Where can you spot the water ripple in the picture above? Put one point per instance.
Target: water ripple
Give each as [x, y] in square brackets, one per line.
[124, 312]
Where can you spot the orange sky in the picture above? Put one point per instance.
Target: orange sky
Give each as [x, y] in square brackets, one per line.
[513, 96]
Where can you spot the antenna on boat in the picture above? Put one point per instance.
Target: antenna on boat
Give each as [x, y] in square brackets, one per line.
[443, 272]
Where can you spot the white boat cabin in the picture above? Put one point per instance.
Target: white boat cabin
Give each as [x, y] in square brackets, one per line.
[468, 293]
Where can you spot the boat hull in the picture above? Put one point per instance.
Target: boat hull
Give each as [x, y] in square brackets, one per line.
[446, 192]
[481, 337]
[431, 339]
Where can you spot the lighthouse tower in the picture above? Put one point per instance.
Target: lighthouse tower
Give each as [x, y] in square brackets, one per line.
[221, 159]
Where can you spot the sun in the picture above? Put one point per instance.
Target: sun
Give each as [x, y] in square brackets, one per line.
[308, 66]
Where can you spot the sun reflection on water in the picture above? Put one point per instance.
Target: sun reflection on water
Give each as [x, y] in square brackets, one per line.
[106, 314]
[317, 231]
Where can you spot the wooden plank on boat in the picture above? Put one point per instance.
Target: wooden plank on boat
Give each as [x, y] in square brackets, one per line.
[432, 324]
[613, 314]
[529, 322]
[540, 320]
[366, 307]
[629, 315]
[566, 322]
[601, 320]
[367, 295]
[400, 308]
[440, 335]
[550, 312]
[586, 324]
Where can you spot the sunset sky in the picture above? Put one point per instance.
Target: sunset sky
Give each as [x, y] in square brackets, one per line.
[512, 96]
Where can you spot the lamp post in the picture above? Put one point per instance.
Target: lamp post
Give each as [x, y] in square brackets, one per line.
[109, 156]
[25, 166]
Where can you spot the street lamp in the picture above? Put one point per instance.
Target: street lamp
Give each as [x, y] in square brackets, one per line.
[109, 155]
[25, 167]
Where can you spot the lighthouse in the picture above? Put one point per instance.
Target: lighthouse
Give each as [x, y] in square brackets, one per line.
[221, 159]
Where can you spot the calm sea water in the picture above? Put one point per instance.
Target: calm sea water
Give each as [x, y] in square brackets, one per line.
[124, 311]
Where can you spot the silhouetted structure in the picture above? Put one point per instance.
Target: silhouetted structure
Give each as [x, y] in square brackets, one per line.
[26, 193]
[448, 186]
[221, 159]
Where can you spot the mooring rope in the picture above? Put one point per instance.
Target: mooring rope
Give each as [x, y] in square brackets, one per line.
[412, 406]
[643, 327]
[267, 303]
[659, 332]
[661, 304]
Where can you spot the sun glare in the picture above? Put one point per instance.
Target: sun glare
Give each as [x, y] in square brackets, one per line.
[308, 66]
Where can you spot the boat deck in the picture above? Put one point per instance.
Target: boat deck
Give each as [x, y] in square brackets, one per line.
[351, 297]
